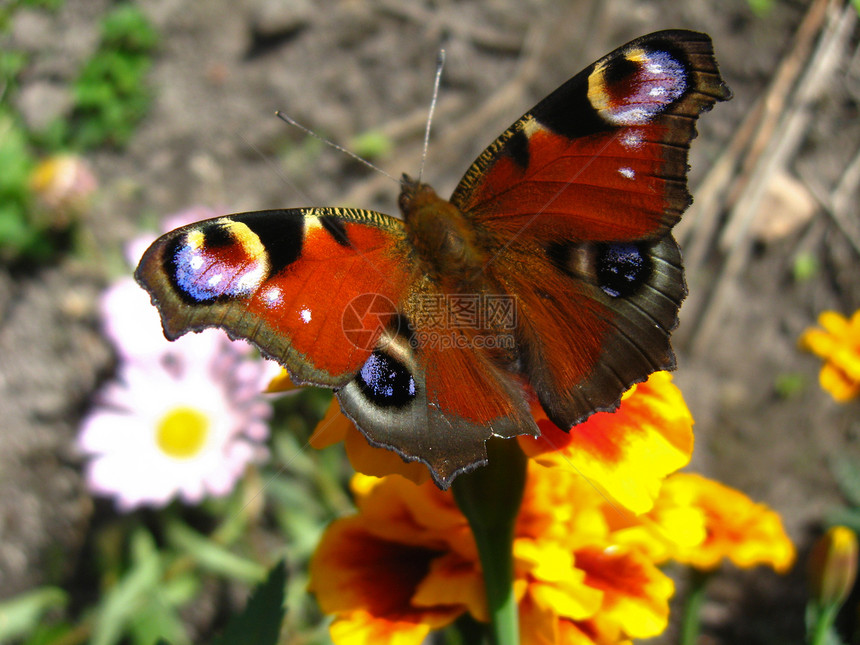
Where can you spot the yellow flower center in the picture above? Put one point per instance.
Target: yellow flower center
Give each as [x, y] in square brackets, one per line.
[182, 432]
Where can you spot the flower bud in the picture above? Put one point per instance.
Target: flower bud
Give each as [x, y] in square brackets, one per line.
[63, 185]
[833, 566]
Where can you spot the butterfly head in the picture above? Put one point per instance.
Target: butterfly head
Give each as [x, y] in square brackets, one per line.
[412, 191]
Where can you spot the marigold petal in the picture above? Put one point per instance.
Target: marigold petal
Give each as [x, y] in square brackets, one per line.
[636, 592]
[600, 630]
[818, 342]
[626, 453]
[838, 383]
[333, 427]
[281, 383]
[674, 523]
[353, 569]
[555, 583]
[559, 504]
[839, 345]
[739, 529]
[379, 462]
[847, 359]
[539, 625]
[368, 583]
[361, 628]
[421, 515]
[454, 581]
[835, 323]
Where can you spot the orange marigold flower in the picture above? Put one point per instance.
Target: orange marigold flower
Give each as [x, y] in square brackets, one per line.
[839, 345]
[626, 453]
[364, 457]
[735, 527]
[407, 564]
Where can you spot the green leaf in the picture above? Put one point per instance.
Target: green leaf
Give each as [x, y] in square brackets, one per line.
[212, 556]
[847, 475]
[805, 266]
[158, 621]
[127, 28]
[123, 601]
[761, 8]
[50, 634]
[22, 614]
[371, 145]
[789, 384]
[260, 622]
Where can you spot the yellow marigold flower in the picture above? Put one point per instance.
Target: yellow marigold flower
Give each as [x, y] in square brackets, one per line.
[736, 528]
[281, 383]
[839, 345]
[626, 453]
[406, 564]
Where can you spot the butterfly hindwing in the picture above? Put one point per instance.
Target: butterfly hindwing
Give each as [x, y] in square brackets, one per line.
[596, 319]
[434, 403]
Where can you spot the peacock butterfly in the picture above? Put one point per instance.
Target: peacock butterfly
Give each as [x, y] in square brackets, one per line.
[552, 267]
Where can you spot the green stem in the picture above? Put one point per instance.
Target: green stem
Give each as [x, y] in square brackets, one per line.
[825, 616]
[490, 499]
[690, 625]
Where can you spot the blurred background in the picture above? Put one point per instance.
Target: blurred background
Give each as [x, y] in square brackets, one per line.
[168, 105]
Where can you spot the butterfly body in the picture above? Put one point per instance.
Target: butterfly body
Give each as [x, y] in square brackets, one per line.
[447, 246]
[550, 270]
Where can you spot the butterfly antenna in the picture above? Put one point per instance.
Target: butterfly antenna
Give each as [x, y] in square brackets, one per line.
[440, 63]
[288, 119]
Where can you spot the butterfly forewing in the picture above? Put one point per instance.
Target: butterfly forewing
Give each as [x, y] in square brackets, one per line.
[293, 282]
[604, 157]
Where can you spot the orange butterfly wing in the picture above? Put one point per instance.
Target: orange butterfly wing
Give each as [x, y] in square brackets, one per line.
[578, 198]
[287, 280]
[322, 291]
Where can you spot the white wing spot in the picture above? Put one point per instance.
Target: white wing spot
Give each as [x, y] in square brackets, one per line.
[632, 139]
[250, 280]
[272, 295]
[626, 172]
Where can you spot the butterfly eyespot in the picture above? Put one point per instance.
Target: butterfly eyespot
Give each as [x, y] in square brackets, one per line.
[634, 88]
[226, 261]
[622, 269]
[386, 382]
